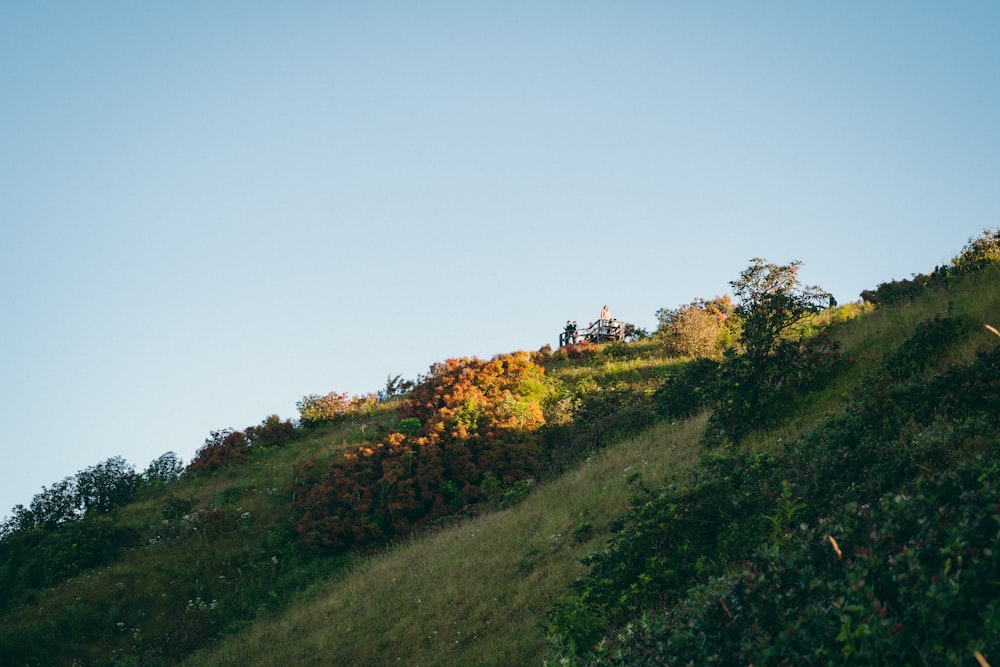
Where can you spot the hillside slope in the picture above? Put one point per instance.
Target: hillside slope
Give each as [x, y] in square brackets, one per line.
[224, 565]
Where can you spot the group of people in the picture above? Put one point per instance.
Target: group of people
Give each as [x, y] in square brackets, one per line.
[570, 334]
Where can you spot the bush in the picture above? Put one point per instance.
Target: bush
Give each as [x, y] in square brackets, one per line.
[315, 409]
[668, 539]
[109, 484]
[593, 418]
[469, 423]
[39, 558]
[698, 329]
[221, 448]
[911, 579]
[165, 468]
[272, 432]
[687, 390]
[899, 427]
[979, 252]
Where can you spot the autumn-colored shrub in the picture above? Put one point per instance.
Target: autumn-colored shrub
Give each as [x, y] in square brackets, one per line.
[220, 448]
[314, 409]
[577, 351]
[272, 432]
[466, 418]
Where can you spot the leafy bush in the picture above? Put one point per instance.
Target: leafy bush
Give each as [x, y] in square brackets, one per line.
[979, 252]
[668, 539]
[31, 560]
[929, 341]
[109, 484]
[467, 418]
[272, 432]
[314, 409]
[690, 388]
[698, 329]
[904, 291]
[911, 579]
[900, 426]
[222, 447]
[94, 490]
[592, 418]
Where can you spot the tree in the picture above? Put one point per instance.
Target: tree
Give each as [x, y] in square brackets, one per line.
[53, 506]
[165, 468]
[760, 379]
[109, 484]
[771, 303]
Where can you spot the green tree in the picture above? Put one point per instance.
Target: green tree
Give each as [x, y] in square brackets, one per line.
[109, 484]
[773, 360]
[771, 303]
[165, 468]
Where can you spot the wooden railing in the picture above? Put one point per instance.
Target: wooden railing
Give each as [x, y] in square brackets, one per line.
[600, 331]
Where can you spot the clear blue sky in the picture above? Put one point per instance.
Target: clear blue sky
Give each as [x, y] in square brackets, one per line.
[212, 209]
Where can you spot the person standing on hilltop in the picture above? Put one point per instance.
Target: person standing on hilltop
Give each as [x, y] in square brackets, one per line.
[605, 314]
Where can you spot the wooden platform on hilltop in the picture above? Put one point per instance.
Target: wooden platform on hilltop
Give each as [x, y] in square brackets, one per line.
[601, 331]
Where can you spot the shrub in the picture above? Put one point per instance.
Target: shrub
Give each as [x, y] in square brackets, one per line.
[911, 579]
[221, 448]
[899, 427]
[314, 409]
[466, 419]
[668, 539]
[906, 291]
[979, 251]
[39, 558]
[593, 418]
[688, 389]
[272, 432]
[107, 485]
[698, 329]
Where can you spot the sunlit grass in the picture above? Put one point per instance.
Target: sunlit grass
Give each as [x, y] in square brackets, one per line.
[475, 594]
[639, 364]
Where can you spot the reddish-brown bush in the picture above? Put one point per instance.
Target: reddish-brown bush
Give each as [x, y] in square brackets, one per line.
[476, 417]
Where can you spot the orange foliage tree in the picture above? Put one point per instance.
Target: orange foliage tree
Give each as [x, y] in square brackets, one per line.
[466, 418]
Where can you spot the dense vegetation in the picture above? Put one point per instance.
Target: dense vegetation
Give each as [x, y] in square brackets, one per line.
[769, 479]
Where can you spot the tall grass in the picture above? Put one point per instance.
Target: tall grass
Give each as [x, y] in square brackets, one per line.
[473, 594]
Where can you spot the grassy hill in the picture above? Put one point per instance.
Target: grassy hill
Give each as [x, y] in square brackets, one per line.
[633, 524]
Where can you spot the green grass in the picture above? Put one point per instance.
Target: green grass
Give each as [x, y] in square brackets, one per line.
[474, 594]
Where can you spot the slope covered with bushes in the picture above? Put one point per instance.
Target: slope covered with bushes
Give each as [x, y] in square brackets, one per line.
[763, 498]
